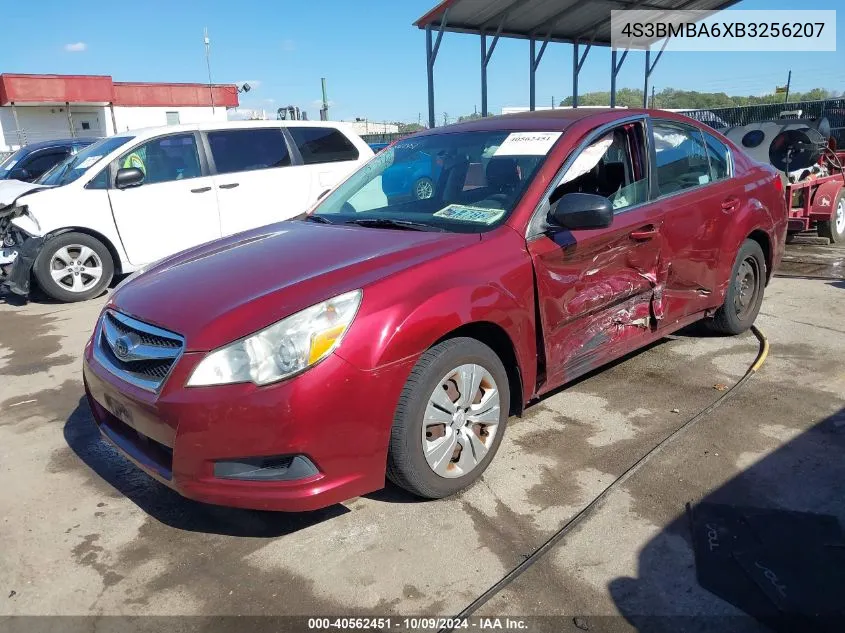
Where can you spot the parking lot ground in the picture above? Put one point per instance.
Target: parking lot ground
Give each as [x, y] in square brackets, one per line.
[84, 532]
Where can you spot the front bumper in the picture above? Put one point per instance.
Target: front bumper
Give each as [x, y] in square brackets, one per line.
[16, 264]
[337, 416]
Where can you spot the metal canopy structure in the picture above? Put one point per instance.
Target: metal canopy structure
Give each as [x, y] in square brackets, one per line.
[582, 23]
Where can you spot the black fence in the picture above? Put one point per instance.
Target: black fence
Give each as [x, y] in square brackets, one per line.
[384, 138]
[832, 109]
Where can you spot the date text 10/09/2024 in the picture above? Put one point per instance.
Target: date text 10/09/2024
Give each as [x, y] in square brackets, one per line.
[418, 624]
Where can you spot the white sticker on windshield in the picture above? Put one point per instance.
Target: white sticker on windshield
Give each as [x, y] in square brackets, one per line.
[10, 165]
[464, 213]
[527, 144]
[85, 164]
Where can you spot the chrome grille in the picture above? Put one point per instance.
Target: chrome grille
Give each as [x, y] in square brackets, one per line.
[138, 352]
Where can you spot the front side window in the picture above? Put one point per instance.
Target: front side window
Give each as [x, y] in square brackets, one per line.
[248, 150]
[322, 145]
[74, 166]
[682, 161]
[613, 166]
[719, 157]
[462, 182]
[165, 159]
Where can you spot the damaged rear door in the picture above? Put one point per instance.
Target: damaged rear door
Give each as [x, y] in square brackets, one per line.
[600, 291]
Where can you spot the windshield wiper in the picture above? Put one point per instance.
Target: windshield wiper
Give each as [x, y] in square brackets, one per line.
[318, 218]
[390, 223]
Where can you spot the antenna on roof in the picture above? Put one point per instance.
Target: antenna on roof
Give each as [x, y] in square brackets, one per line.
[207, 43]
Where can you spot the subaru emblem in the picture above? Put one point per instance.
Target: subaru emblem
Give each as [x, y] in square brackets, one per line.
[122, 347]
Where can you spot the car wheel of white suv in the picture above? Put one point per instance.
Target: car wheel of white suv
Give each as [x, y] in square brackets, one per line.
[73, 267]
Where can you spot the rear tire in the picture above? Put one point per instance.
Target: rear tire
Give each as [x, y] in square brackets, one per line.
[442, 440]
[423, 189]
[834, 229]
[73, 267]
[745, 292]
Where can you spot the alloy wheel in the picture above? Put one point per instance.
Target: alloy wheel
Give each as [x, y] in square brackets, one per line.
[76, 268]
[424, 189]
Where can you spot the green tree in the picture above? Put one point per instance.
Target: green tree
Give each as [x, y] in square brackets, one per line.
[469, 117]
[671, 98]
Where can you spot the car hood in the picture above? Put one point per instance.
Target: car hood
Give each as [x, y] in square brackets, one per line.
[11, 190]
[223, 290]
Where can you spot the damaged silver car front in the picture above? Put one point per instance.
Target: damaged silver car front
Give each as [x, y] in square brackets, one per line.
[20, 236]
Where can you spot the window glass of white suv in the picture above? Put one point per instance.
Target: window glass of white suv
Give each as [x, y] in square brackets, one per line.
[322, 145]
[247, 150]
[165, 159]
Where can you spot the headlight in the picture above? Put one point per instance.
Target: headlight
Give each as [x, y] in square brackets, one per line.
[283, 349]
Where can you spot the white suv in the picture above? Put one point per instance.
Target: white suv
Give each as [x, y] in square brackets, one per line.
[134, 198]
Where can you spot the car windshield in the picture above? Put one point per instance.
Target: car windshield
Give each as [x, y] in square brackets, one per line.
[461, 182]
[7, 165]
[74, 166]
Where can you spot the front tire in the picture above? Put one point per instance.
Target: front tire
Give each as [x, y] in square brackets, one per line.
[74, 267]
[450, 419]
[834, 229]
[745, 291]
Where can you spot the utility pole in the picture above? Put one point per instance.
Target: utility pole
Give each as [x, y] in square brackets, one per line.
[553, 102]
[207, 43]
[324, 111]
[788, 81]
[445, 119]
[652, 97]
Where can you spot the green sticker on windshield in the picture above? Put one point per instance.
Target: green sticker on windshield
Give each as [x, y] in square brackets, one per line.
[463, 213]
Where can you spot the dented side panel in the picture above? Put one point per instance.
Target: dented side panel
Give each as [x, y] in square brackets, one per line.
[599, 291]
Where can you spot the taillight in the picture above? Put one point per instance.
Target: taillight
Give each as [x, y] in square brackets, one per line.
[779, 183]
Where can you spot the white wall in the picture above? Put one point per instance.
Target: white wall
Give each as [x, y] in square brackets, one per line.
[132, 118]
[44, 123]
[371, 127]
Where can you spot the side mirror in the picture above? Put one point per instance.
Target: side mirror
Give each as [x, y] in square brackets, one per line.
[128, 177]
[578, 211]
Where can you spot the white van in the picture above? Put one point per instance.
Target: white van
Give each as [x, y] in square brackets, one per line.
[134, 198]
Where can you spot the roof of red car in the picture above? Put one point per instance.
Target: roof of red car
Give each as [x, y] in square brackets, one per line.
[549, 120]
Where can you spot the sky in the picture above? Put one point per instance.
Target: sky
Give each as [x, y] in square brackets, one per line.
[370, 54]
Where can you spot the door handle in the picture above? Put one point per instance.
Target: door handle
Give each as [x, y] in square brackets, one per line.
[201, 190]
[230, 185]
[730, 203]
[646, 233]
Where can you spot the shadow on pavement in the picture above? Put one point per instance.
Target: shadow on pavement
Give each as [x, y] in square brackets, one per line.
[770, 542]
[167, 506]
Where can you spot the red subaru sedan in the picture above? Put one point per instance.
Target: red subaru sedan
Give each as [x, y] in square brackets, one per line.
[300, 364]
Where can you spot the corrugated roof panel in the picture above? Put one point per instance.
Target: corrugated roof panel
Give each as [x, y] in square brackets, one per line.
[562, 20]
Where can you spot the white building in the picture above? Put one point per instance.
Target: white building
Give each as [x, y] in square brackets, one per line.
[362, 126]
[43, 107]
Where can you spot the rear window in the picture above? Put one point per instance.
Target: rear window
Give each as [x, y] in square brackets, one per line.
[681, 157]
[719, 157]
[323, 145]
[248, 150]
